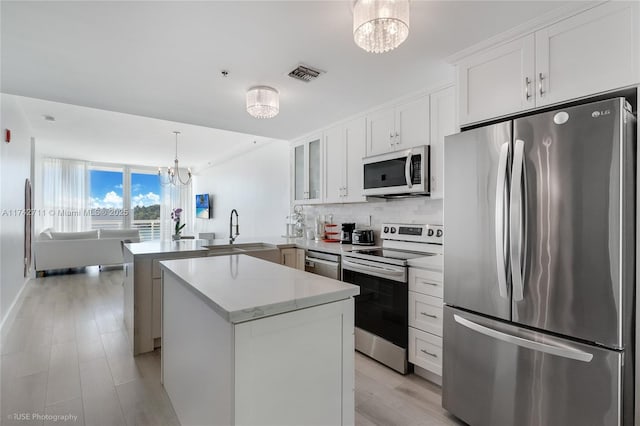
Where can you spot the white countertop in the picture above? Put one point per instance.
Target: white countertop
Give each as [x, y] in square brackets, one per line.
[161, 247]
[242, 288]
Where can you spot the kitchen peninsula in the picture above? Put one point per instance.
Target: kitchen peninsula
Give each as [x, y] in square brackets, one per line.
[246, 341]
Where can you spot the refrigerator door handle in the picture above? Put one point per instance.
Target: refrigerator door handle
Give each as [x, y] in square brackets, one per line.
[557, 350]
[515, 221]
[501, 185]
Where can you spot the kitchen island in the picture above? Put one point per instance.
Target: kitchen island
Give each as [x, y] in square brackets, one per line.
[143, 285]
[246, 341]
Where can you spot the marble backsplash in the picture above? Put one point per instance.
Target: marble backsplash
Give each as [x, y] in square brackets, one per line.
[374, 213]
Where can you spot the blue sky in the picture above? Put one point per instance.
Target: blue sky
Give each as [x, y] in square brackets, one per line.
[106, 189]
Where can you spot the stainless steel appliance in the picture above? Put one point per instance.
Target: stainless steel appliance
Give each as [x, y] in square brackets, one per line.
[346, 233]
[381, 309]
[539, 269]
[398, 174]
[362, 237]
[325, 264]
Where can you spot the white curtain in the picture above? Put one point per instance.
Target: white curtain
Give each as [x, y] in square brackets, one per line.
[173, 197]
[65, 194]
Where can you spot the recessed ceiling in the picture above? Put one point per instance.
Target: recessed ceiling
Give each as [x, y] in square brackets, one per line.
[164, 59]
[112, 137]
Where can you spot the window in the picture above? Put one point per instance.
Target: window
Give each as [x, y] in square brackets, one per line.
[106, 189]
[145, 204]
[124, 198]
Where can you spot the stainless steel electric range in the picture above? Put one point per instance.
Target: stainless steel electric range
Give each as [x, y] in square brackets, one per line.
[382, 328]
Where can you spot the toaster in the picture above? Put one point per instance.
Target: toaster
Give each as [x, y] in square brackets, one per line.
[362, 237]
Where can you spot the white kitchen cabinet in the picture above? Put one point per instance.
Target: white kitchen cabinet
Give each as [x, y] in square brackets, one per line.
[355, 140]
[425, 313]
[425, 350]
[381, 130]
[334, 161]
[404, 126]
[291, 368]
[442, 113]
[497, 82]
[412, 124]
[595, 51]
[425, 317]
[344, 148]
[589, 53]
[307, 166]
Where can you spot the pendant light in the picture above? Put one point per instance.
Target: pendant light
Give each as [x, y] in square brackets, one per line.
[263, 102]
[380, 25]
[173, 173]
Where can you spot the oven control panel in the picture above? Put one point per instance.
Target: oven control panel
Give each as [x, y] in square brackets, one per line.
[412, 232]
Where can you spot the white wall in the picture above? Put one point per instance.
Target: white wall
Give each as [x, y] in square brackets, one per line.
[256, 184]
[15, 167]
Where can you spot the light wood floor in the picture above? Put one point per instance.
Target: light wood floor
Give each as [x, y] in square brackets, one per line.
[67, 354]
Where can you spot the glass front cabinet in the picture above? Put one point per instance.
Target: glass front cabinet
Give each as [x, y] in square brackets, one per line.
[307, 165]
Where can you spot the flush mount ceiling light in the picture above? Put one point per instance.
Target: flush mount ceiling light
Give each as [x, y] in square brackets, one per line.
[380, 25]
[263, 102]
[173, 173]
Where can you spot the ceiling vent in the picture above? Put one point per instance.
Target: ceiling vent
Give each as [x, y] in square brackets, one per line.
[304, 73]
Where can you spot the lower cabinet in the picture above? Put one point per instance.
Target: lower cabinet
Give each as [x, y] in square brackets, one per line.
[425, 350]
[295, 368]
[425, 318]
[292, 257]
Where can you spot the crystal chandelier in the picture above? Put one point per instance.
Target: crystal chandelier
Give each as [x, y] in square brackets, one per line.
[263, 102]
[173, 173]
[380, 25]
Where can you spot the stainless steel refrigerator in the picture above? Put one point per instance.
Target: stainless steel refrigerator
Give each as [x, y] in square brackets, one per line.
[539, 269]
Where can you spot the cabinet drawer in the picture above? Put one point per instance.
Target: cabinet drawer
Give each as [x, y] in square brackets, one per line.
[425, 313]
[425, 350]
[426, 282]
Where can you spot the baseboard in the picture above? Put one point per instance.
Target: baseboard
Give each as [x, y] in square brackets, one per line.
[428, 375]
[13, 309]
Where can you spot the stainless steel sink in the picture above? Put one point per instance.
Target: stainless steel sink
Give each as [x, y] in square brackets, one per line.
[238, 248]
[255, 246]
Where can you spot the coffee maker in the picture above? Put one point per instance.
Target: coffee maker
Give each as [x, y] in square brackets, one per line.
[345, 234]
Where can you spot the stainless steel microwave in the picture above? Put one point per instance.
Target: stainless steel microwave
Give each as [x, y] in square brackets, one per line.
[398, 174]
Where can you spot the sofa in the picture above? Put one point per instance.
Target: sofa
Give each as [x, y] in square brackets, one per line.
[62, 250]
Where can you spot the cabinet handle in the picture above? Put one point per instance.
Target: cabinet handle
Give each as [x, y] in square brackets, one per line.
[391, 139]
[428, 283]
[429, 353]
[428, 315]
[540, 78]
[527, 83]
[397, 138]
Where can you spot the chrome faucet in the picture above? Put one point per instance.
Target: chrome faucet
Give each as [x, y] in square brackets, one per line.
[232, 237]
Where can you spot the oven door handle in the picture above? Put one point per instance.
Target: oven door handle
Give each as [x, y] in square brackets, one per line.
[365, 268]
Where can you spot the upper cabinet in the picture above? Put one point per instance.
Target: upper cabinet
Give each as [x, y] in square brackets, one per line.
[443, 123]
[497, 82]
[592, 52]
[327, 166]
[307, 167]
[403, 126]
[344, 148]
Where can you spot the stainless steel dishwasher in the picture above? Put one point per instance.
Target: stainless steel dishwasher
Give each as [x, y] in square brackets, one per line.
[325, 264]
